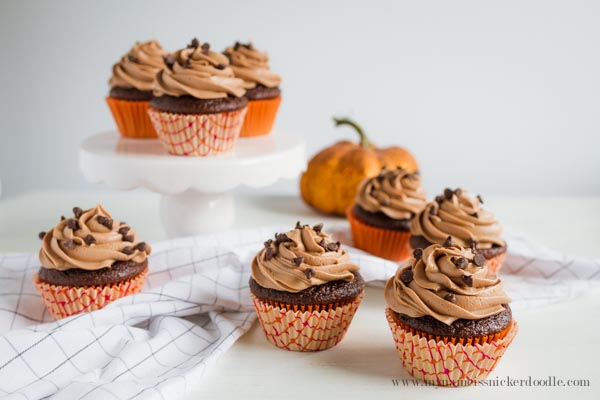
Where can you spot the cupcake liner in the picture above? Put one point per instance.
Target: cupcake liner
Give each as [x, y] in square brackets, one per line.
[449, 361]
[64, 301]
[305, 328]
[386, 243]
[495, 263]
[132, 118]
[260, 117]
[198, 134]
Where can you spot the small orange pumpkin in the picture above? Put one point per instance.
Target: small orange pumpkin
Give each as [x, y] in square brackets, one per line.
[332, 177]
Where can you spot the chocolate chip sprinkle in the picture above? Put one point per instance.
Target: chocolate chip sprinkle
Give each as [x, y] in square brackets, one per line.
[127, 250]
[461, 263]
[282, 238]
[123, 230]
[169, 61]
[205, 48]
[128, 238]
[268, 243]
[298, 225]
[309, 273]
[141, 246]
[220, 66]
[72, 224]
[193, 44]
[104, 221]
[406, 276]
[474, 246]
[187, 64]
[62, 218]
[448, 193]
[458, 191]
[333, 246]
[68, 244]
[479, 198]
[418, 253]
[323, 244]
[439, 199]
[89, 240]
[41, 235]
[474, 215]
[298, 261]
[77, 212]
[433, 210]
[318, 228]
[450, 297]
[448, 242]
[479, 260]
[132, 58]
[467, 279]
[269, 253]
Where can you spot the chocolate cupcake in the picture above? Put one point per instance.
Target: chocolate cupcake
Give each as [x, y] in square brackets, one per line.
[384, 208]
[449, 315]
[261, 84]
[456, 214]
[305, 289]
[88, 261]
[198, 108]
[131, 87]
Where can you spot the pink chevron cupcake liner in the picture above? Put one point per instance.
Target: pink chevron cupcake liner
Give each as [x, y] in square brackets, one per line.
[198, 134]
[444, 363]
[310, 330]
[64, 301]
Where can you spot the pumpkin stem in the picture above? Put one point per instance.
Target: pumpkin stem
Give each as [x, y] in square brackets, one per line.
[364, 141]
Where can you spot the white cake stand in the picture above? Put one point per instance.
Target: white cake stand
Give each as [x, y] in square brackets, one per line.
[195, 190]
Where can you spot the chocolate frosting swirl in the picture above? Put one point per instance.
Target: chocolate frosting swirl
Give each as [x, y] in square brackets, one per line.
[301, 258]
[137, 68]
[396, 193]
[91, 240]
[199, 72]
[460, 216]
[252, 65]
[446, 283]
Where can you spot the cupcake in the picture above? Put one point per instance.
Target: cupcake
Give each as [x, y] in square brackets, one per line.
[198, 106]
[381, 216]
[449, 315]
[461, 216]
[261, 84]
[131, 89]
[88, 261]
[305, 289]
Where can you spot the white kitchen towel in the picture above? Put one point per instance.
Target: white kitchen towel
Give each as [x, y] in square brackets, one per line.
[194, 306]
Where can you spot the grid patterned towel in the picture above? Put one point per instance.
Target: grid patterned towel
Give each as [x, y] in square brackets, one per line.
[194, 306]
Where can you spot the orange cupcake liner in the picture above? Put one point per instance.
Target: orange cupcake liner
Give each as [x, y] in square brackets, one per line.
[305, 328]
[448, 361]
[132, 118]
[64, 301]
[385, 243]
[198, 134]
[495, 263]
[260, 117]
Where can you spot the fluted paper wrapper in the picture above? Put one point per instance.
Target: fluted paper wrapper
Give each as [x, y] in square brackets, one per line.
[64, 301]
[444, 363]
[198, 134]
[131, 117]
[305, 330]
[260, 117]
[385, 243]
[495, 263]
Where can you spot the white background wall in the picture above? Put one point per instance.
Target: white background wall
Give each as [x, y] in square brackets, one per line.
[502, 97]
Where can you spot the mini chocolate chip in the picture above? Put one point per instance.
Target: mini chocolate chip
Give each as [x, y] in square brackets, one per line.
[479, 260]
[205, 48]
[461, 263]
[479, 198]
[237, 46]
[406, 276]
[141, 246]
[41, 235]
[474, 246]
[124, 230]
[474, 215]
[418, 254]
[104, 221]
[318, 228]
[127, 250]
[439, 199]
[450, 297]
[128, 238]
[448, 193]
[77, 212]
[282, 238]
[309, 273]
[220, 66]
[467, 279]
[62, 218]
[333, 246]
[323, 244]
[458, 191]
[187, 64]
[298, 261]
[72, 224]
[132, 58]
[89, 239]
[269, 253]
[268, 243]
[448, 242]
[433, 210]
[69, 244]
[193, 44]
[169, 61]
[298, 225]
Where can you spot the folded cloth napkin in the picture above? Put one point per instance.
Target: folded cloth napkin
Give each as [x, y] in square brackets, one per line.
[194, 306]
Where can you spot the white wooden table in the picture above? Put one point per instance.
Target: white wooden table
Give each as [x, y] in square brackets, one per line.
[555, 341]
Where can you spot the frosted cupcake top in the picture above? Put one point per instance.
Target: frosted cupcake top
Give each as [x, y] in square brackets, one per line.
[252, 65]
[137, 68]
[457, 214]
[396, 193]
[199, 72]
[91, 240]
[446, 282]
[301, 258]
